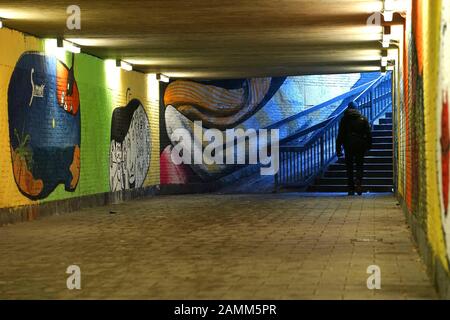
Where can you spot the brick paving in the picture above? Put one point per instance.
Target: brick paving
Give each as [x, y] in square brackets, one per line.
[273, 246]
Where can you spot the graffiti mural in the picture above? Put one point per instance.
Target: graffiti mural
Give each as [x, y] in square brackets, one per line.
[247, 104]
[414, 116]
[44, 125]
[218, 104]
[444, 125]
[130, 147]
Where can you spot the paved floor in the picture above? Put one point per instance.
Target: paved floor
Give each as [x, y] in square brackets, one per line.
[277, 246]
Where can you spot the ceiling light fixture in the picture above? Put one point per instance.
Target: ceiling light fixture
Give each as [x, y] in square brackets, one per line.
[392, 6]
[388, 15]
[391, 63]
[384, 58]
[163, 78]
[388, 10]
[124, 65]
[68, 46]
[386, 36]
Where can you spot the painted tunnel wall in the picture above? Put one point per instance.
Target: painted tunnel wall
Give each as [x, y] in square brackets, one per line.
[72, 125]
[423, 132]
[241, 104]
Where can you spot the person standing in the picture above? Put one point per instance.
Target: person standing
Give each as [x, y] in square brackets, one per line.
[356, 137]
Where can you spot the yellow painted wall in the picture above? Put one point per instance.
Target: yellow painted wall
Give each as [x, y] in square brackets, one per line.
[18, 43]
[102, 87]
[426, 45]
[432, 25]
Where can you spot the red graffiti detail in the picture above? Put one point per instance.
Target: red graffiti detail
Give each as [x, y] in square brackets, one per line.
[445, 150]
[172, 173]
[67, 89]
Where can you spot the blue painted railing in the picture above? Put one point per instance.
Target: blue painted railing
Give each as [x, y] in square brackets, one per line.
[301, 164]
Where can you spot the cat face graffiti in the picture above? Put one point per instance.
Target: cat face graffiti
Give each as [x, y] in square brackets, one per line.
[44, 131]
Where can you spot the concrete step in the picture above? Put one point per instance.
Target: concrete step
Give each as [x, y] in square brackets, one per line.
[380, 153]
[369, 181]
[331, 188]
[382, 140]
[382, 133]
[382, 127]
[370, 159]
[386, 121]
[382, 146]
[369, 174]
[367, 167]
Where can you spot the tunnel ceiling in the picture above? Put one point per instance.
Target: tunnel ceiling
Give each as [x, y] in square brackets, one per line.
[215, 39]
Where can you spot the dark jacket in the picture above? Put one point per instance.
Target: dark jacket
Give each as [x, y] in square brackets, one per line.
[354, 133]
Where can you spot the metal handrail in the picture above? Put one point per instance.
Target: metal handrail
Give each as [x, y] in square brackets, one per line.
[361, 88]
[340, 112]
[299, 165]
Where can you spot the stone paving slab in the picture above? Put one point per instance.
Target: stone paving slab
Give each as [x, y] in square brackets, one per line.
[272, 246]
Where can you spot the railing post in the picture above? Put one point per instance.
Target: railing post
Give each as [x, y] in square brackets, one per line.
[322, 153]
[371, 105]
[276, 182]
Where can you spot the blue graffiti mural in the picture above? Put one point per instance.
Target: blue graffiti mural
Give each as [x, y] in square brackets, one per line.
[44, 125]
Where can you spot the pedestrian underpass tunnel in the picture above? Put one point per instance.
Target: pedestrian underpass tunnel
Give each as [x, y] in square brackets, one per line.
[214, 127]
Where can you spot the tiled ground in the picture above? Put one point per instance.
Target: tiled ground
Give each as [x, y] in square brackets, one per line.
[276, 246]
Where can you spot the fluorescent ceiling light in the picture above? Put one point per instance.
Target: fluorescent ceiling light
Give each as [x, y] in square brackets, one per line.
[388, 15]
[391, 62]
[162, 78]
[389, 9]
[68, 46]
[386, 36]
[72, 48]
[124, 65]
[395, 5]
[389, 5]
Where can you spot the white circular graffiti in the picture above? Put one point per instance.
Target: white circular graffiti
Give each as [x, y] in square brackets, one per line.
[130, 147]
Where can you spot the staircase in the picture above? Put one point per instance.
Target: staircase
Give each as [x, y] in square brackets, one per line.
[313, 165]
[378, 167]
